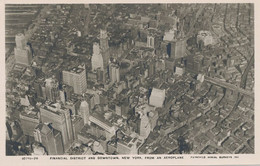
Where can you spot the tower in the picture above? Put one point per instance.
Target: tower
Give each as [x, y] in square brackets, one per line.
[51, 89]
[103, 40]
[49, 138]
[97, 58]
[104, 48]
[100, 57]
[65, 93]
[22, 52]
[60, 119]
[114, 73]
[144, 125]
[20, 41]
[84, 111]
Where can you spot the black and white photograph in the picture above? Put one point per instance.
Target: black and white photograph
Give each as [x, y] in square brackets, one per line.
[105, 79]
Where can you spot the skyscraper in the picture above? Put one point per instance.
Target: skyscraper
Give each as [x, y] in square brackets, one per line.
[97, 58]
[100, 55]
[60, 119]
[51, 89]
[76, 77]
[103, 41]
[144, 125]
[50, 138]
[65, 93]
[178, 49]
[29, 120]
[114, 73]
[77, 125]
[20, 41]
[84, 111]
[22, 52]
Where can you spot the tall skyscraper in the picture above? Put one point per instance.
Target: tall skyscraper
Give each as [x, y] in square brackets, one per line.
[60, 119]
[76, 77]
[20, 41]
[77, 125]
[65, 93]
[100, 55]
[148, 119]
[144, 125]
[103, 41]
[114, 73]
[51, 89]
[178, 49]
[84, 111]
[22, 52]
[50, 138]
[97, 58]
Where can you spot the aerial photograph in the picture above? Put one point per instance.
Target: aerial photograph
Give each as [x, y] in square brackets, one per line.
[129, 79]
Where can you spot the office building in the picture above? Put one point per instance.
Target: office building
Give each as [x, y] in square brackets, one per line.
[178, 49]
[114, 73]
[179, 71]
[103, 41]
[147, 111]
[97, 60]
[100, 57]
[100, 75]
[20, 41]
[169, 36]
[22, 52]
[77, 125]
[50, 138]
[29, 118]
[153, 117]
[99, 120]
[51, 89]
[145, 125]
[84, 112]
[205, 37]
[157, 97]
[60, 119]
[65, 93]
[128, 145]
[76, 77]
[194, 63]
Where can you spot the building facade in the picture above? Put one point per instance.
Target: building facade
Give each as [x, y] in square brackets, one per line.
[76, 77]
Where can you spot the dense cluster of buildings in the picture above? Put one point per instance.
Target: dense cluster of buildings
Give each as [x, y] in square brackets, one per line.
[152, 87]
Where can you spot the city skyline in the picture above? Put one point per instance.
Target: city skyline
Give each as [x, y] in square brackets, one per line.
[92, 79]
